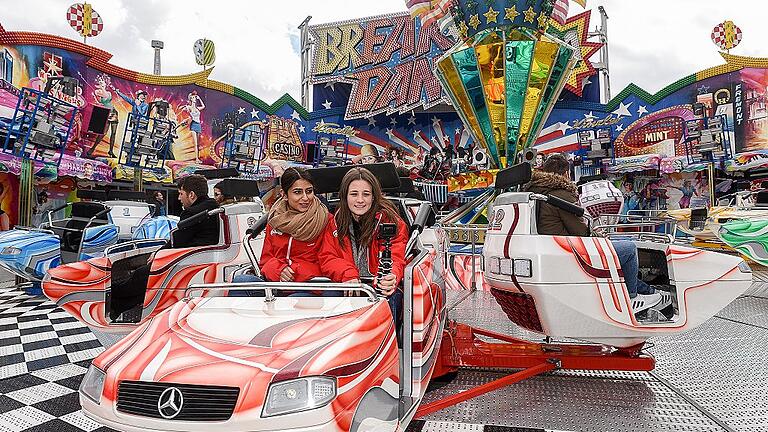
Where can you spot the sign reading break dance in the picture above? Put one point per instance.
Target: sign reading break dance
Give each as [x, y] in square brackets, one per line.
[388, 60]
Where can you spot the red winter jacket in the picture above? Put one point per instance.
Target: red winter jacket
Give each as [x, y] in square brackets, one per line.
[281, 250]
[338, 262]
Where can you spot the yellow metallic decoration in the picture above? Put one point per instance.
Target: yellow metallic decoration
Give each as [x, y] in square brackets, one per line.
[511, 13]
[490, 16]
[87, 20]
[463, 29]
[474, 21]
[530, 15]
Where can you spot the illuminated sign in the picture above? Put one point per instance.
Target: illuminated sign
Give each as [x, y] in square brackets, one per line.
[283, 140]
[388, 60]
[333, 128]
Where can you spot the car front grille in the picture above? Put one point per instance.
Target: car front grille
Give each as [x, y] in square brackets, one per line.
[201, 403]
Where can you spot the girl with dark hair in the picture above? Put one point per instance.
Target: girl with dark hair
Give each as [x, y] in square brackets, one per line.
[358, 243]
[297, 224]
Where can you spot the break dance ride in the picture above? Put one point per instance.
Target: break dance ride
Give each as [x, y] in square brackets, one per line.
[263, 363]
[85, 289]
[92, 227]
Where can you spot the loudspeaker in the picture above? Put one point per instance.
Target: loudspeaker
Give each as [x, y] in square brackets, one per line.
[480, 158]
[530, 156]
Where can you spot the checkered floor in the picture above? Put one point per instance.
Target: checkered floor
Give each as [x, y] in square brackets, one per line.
[44, 354]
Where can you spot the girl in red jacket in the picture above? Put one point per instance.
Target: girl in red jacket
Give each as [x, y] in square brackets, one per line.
[295, 229]
[357, 249]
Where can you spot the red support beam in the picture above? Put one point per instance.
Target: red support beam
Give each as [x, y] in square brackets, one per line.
[437, 405]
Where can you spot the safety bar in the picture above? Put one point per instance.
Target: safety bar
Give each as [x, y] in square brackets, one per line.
[51, 212]
[133, 245]
[269, 286]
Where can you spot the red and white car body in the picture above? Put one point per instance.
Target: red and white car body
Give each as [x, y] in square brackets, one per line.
[84, 288]
[573, 287]
[213, 363]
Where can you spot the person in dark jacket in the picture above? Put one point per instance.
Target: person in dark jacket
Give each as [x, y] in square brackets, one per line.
[193, 194]
[554, 179]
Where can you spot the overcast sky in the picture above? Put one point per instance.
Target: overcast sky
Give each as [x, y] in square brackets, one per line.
[652, 43]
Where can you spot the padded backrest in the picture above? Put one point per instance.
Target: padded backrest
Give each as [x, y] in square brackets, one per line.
[698, 218]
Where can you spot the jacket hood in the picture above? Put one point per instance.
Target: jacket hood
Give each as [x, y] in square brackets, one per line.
[545, 182]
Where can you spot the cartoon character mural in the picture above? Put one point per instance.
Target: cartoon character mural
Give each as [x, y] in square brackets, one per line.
[669, 192]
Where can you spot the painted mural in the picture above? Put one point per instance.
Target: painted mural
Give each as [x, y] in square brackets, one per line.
[203, 112]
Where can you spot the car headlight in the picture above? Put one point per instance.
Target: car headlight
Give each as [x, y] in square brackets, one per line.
[10, 250]
[297, 395]
[93, 383]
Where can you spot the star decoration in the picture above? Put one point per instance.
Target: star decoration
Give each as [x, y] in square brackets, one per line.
[619, 128]
[623, 110]
[393, 121]
[321, 123]
[590, 116]
[703, 89]
[326, 104]
[241, 110]
[412, 120]
[463, 28]
[301, 128]
[416, 134]
[390, 133]
[641, 110]
[474, 21]
[295, 115]
[543, 20]
[372, 122]
[511, 13]
[490, 16]
[255, 114]
[575, 32]
[530, 15]
[330, 84]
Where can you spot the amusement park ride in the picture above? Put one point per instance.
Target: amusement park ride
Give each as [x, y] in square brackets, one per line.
[198, 358]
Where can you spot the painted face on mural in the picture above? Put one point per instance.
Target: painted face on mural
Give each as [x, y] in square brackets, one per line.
[300, 195]
[359, 198]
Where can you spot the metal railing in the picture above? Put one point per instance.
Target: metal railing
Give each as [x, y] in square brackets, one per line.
[198, 290]
[641, 227]
[472, 235]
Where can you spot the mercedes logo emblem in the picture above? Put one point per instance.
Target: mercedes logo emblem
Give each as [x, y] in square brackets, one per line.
[170, 402]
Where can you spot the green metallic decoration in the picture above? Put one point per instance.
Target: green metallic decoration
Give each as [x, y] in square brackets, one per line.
[504, 82]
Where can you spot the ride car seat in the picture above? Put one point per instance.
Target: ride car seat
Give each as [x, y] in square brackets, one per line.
[82, 212]
[698, 219]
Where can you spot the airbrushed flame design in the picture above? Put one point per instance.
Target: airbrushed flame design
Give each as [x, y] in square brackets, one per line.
[749, 237]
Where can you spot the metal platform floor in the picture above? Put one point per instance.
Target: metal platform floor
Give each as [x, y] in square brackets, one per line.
[713, 378]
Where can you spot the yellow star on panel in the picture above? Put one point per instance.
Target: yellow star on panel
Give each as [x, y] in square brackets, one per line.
[530, 15]
[511, 13]
[543, 20]
[463, 28]
[490, 16]
[474, 21]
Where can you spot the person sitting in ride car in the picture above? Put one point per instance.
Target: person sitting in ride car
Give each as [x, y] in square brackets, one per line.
[193, 194]
[358, 246]
[554, 179]
[296, 227]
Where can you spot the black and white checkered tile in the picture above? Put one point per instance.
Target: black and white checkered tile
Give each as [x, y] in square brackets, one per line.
[44, 354]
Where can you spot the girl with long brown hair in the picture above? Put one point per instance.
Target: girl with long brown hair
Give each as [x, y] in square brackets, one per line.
[359, 218]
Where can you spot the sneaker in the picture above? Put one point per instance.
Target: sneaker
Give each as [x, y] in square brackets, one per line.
[645, 301]
[666, 300]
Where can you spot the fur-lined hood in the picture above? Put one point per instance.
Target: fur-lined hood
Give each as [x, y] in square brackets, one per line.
[545, 182]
